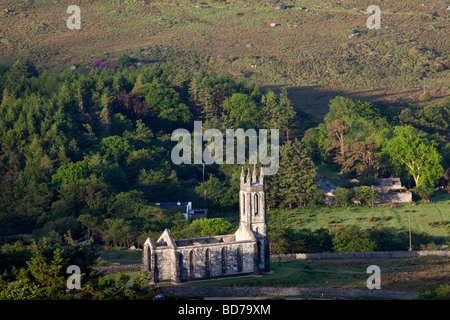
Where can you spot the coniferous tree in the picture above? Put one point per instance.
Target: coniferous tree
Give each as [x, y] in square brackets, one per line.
[296, 175]
[278, 113]
[23, 67]
[105, 114]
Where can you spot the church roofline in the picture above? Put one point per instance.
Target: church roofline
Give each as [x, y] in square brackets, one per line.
[149, 242]
[203, 245]
[246, 231]
[167, 237]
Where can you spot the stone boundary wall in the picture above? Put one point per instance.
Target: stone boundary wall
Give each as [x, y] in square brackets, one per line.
[358, 255]
[307, 256]
[119, 268]
[274, 291]
[398, 197]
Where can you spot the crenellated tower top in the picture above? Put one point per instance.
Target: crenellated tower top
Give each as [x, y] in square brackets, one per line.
[252, 178]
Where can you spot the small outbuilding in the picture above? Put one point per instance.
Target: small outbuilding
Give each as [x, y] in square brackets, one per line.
[185, 208]
[328, 188]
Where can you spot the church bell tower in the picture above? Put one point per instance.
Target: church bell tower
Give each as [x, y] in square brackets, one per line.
[252, 213]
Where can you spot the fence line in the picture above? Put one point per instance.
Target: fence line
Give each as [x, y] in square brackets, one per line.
[358, 255]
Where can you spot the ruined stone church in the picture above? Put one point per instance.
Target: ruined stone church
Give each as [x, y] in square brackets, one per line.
[246, 252]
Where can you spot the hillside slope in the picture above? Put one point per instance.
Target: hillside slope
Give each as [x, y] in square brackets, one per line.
[319, 42]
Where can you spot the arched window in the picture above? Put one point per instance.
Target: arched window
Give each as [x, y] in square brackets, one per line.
[224, 259]
[148, 258]
[259, 251]
[156, 269]
[244, 212]
[239, 259]
[256, 205]
[208, 261]
[191, 263]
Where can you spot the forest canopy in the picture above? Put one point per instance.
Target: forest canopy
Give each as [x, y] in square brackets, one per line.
[89, 150]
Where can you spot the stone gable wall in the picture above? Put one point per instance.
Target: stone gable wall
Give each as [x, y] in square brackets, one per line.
[395, 197]
[164, 259]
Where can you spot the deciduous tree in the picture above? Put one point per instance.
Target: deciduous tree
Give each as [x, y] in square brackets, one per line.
[417, 154]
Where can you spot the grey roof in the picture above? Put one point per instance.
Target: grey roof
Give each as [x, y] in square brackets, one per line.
[172, 205]
[326, 185]
[388, 182]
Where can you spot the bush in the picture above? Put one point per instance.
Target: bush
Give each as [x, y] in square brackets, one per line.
[342, 196]
[317, 198]
[309, 240]
[352, 239]
[367, 181]
[425, 97]
[206, 228]
[440, 293]
[364, 194]
[424, 192]
[123, 61]
[389, 239]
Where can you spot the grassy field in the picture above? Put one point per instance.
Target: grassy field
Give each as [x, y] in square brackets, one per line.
[318, 49]
[432, 218]
[409, 274]
[120, 255]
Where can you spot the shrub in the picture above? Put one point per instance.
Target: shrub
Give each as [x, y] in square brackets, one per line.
[440, 293]
[365, 194]
[342, 196]
[123, 61]
[425, 97]
[211, 227]
[423, 192]
[367, 181]
[428, 247]
[352, 239]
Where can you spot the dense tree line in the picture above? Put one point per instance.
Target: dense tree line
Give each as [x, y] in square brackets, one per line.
[363, 142]
[285, 239]
[38, 271]
[89, 151]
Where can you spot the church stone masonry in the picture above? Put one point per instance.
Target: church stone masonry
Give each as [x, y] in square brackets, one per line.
[246, 252]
